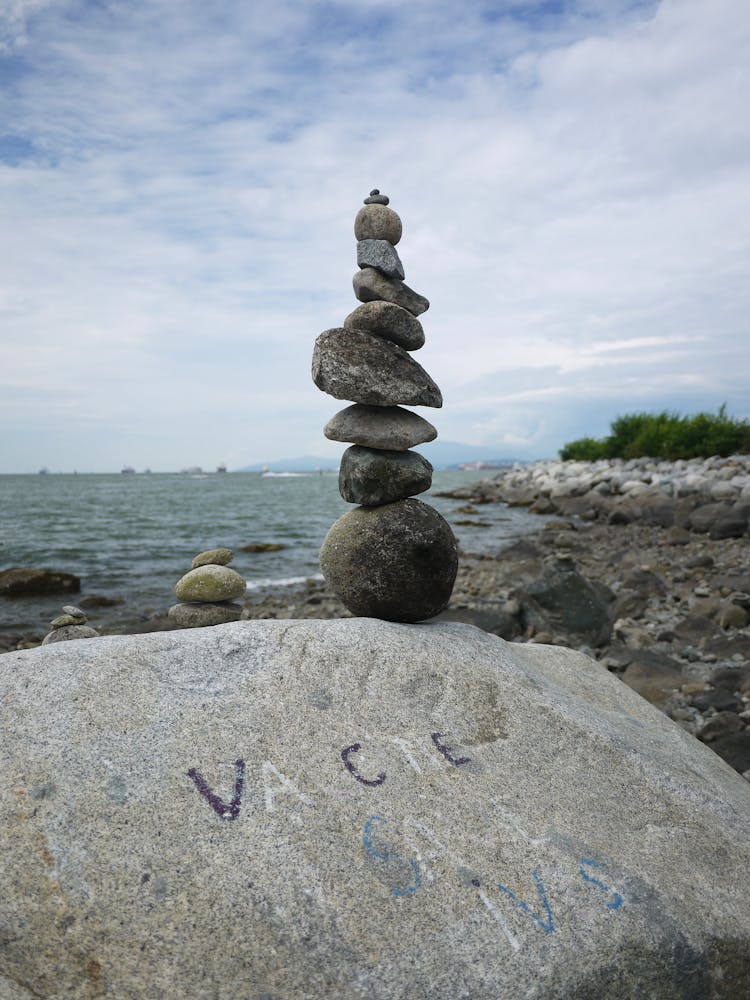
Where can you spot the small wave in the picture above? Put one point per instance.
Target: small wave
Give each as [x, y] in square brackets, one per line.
[283, 475]
[284, 581]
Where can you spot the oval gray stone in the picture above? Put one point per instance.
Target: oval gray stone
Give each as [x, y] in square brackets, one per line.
[376, 222]
[210, 583]
[357, 365]
[370, 285]
[387, 427]
[213, 557]
[380, 254]
[371, 476]
[396, 562]
[386, 319]
[68, 632]
[200, 615]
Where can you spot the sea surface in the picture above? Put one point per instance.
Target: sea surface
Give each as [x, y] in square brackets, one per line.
[133, 536]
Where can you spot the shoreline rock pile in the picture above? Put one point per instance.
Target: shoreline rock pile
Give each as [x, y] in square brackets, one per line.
[393, 557]
[208, 591]
[71, 624]
[705, 495]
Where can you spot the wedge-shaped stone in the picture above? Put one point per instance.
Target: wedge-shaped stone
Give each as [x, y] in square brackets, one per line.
[370, 476]
[387, 320]
[357, 365]
[387, 427]
[381, 255]
[369, 285]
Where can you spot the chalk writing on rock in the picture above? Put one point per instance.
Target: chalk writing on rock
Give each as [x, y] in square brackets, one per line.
[384, 854]
[447, 751]
[546, 923]
[617, 900]
[371, 782]
[230, 810]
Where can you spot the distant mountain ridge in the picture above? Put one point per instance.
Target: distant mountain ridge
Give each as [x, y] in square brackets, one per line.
[442, 454]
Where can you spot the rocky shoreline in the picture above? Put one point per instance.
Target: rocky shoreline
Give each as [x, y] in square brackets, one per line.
[643, 565]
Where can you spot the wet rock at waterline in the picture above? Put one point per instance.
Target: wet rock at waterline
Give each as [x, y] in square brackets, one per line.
[386, 427]
[396, 562]
[357, 810]
[210, 583]
[388, 320]
[357, 365]
[370, 284]
[373, 477]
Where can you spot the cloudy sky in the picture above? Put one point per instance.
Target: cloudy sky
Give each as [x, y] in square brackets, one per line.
[178, 182]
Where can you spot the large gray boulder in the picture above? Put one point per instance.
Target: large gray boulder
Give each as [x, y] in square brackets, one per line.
[355, 809]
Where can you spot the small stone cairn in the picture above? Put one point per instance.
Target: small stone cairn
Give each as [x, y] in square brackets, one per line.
[207, 591]
[71, 624]
[393, 557]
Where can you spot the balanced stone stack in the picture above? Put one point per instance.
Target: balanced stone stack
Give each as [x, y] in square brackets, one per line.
[71, 624]
[208, 591]
[393, 557]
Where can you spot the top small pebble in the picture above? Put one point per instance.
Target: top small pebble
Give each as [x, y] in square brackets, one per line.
[213, 557]
[376, 198]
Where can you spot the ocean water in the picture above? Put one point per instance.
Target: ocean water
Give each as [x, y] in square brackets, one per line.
[133, 536]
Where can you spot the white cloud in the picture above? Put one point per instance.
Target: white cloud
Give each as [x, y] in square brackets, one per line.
[574, 192]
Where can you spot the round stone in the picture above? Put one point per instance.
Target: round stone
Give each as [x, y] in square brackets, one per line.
[67, 632]
[200, 615]
[388, 427]
[396, 562]
[372, 477]
[387, 320]
[378, 222]
[213, 557]
[210, 583]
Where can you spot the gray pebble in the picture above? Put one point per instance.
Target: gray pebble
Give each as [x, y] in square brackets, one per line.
[370, 476]
[387, 320]
[387, 427]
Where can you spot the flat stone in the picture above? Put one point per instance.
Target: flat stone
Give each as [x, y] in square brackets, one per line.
[210, 583]
[357, 365]
[381, 255]
[200, 615]
[370, 285]
[388, 320]
[376, 222]
[63, 620]
[71, 609]
[213, 557]
[386, 427]
[396, 562]
[68, 632]
[357, 809]
[370, 476]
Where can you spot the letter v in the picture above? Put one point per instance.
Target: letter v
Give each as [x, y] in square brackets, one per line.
[547, 925]
[218, 804]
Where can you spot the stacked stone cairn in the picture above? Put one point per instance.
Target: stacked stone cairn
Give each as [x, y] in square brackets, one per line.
[71, 624]
[207, 591]
[393, 557]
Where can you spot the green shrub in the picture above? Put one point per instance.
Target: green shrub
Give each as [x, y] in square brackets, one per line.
[665, 435]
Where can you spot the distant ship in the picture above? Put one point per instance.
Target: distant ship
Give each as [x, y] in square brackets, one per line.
[127, 470]
[44, 471]
[192, 470]
[221, 467]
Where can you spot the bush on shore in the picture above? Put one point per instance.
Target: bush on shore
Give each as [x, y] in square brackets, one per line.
[665, 435]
